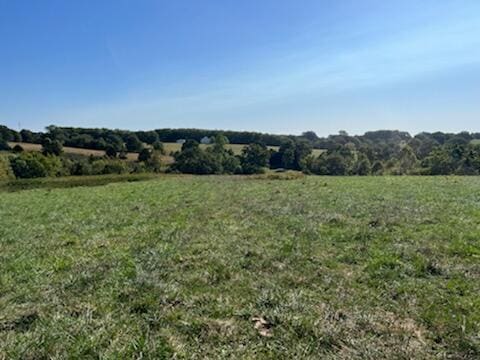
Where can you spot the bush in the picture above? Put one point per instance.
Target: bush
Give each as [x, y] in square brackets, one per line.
[111, 152]
[17, 149]
[51, 147]
[4, 145]
[255, 158]
[145, 155]
[6, 172]
[28, 166]
[158, 146]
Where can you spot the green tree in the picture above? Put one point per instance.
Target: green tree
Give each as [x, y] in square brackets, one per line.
[28, 165]
[362, 166]
[17, 149]
[4, 145]
[145, 155]
[158, 146]
[255, 158]
[51, 147]
[407, 161]
[111, 152]
[132, 143]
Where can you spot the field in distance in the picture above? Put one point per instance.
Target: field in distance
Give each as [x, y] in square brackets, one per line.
[68, 150]
[243, 267]
[169, 148]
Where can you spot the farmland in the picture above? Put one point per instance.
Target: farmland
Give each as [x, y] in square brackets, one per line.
[168, 147]
[244, 267]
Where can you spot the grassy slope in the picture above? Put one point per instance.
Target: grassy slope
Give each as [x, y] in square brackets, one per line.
[337, 267]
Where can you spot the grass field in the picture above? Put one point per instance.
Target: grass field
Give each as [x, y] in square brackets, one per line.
[239, 267]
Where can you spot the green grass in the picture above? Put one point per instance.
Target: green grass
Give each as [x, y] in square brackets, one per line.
[73, 181]
[238, 267]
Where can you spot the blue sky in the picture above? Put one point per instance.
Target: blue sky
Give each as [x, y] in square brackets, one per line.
[279, 66]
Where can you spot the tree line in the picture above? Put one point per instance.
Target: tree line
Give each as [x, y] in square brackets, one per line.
[382, 152]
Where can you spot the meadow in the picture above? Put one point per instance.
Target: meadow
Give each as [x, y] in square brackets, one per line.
[242, 267]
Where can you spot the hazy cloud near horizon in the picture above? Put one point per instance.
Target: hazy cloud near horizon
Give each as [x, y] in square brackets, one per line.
[272, 67]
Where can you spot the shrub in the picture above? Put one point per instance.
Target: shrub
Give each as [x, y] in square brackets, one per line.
[17, 149]
[111, 152]
[255, 158]
[158, 146]
[28, 166]
[51, 147]
[4, 145]
[6, 172]
[145, 155]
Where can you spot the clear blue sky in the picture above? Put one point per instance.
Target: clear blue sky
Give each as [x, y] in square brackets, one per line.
[280, 66]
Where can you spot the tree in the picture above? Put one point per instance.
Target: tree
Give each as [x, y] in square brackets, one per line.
[158, 146]
[28, 136]
[17, 149]
[407, 161]
[148, 137]
[155, 162]
[28, 165]
[254, 158]
[219, 143]
[439, 163]
[145, 155]
[362, 166]
[4, 145]
[377, 168]
[302, 150]
[190, 144]
[335, 165]
[111, 152]
[51, 147]
[132, 143]
[310, 136]
[193, 160]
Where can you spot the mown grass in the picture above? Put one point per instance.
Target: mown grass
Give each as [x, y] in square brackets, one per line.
[242, 267]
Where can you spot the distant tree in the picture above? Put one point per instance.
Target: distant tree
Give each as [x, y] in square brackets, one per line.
[17, 149]
[51, 147]
[219, 142]
[440, 163]
[310, 135]
[148, 137]
[158, 146]
[377, 168]
[190, 144]
[145, 155]
[302, 150]
[407, 161]
[335, 165]
[28, 136]
[193, 160]
[287, 151]
[155, 162]
[132, 143]
[255, 158]
[9, 135]
[111, 152]
[362, 166]
[28, 165]
[4, 145]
